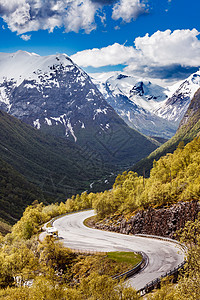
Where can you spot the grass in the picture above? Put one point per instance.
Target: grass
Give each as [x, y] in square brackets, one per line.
[118, 263]
[127, 260]
[131, 258]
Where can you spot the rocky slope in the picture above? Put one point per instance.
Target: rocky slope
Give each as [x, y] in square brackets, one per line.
[190, 124]
[54, 95]
[160, 222]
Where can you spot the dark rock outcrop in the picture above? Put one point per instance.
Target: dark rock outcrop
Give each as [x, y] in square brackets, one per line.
[161, 222]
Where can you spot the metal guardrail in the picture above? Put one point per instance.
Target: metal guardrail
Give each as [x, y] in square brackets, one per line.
[140, 266]
[184, 248]
[156, 282]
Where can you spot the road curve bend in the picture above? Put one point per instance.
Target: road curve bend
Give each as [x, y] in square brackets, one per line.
[163, 255]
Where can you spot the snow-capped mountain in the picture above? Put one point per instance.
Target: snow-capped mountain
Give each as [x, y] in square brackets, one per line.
[53, 94]
[143, 93]
[147, 107]
[135, 101]
[49, 91]
[174, 108]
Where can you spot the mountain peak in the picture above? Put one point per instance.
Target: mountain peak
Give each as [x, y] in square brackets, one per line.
[56, 96]
[135, 99]
[24, 65]
[24, 53]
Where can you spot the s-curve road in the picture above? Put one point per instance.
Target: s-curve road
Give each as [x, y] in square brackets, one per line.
[163, 255]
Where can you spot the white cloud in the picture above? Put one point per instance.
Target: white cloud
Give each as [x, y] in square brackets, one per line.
[149, 54]
[128, 10]
[167, 47]
[31, 15]
[112, 55]
[10, 6]
[80, 14]
[25, 37]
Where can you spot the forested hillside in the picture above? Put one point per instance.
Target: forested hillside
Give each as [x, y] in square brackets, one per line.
[16, 193]
[57, 166]
[174, 177]
[58, 273]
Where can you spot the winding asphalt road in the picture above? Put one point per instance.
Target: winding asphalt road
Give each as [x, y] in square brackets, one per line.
[163, 255]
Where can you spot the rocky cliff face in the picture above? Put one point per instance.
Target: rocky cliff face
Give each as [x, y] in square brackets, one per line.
[161, 222]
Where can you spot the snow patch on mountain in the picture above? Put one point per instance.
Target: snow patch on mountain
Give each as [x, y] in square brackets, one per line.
[98, 111]
[4, 97]
[70, 128]
[36, 124]
[48, 121]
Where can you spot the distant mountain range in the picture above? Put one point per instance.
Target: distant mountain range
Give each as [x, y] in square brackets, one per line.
[54, 95]
[149, 108]
[189, 128]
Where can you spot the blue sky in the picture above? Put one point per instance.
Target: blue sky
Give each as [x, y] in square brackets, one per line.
[115, 32]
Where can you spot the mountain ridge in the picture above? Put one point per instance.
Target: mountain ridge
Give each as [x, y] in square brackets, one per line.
[56, 96]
